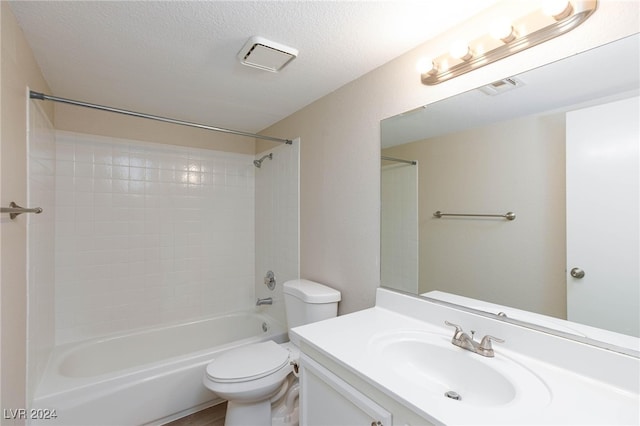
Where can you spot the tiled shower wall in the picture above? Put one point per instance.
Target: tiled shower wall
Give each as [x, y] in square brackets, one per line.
[148, 234]
[41, 241]
[277, 223]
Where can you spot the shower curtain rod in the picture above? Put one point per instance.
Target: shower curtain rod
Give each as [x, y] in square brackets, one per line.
[44, 97]
[399, 160]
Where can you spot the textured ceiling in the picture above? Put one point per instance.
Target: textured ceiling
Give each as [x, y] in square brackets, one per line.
[178, 59]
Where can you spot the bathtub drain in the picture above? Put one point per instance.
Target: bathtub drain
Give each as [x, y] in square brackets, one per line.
[265, 327]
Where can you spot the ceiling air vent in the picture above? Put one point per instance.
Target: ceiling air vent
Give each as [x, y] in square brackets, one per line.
[501, 86]
[266, 55]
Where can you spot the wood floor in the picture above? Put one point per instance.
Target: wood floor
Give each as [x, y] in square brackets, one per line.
[212, 416]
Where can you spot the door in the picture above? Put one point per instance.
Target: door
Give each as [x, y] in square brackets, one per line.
[603, 216]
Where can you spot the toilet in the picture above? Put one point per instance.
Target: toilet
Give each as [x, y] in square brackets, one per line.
[257, 379]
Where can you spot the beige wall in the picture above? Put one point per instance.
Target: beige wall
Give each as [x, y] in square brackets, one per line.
[18, 70]
[94, 122]
[340, 146]
[491, 170]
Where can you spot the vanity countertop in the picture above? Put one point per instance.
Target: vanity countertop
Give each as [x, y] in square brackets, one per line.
[577, 389]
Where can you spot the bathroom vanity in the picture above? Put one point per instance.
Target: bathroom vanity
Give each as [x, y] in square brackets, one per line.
[395, 364]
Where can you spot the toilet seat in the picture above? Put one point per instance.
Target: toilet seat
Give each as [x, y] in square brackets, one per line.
[249, 374]
[248, 363]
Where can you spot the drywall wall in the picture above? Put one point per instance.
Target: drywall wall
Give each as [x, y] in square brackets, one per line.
[101, 123]
[18, 70]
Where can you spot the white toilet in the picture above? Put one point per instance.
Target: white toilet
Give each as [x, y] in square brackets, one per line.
[254, 377]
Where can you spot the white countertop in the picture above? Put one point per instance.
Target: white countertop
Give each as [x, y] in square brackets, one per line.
[575, 396]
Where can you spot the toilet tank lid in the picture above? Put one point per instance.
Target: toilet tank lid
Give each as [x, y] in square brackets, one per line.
[311, 292]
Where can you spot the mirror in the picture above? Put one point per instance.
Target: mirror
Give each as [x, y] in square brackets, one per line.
[519, 145]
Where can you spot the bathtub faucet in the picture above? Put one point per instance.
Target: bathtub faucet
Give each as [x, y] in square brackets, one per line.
[265, 301]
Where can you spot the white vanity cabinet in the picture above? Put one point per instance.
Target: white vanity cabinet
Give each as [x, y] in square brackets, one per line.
[328, 400]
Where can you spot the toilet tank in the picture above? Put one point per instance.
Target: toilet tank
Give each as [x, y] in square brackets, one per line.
[307, 301]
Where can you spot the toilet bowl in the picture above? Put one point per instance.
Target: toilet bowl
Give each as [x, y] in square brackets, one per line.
[251, 378]
[255, 377]
[242, 376]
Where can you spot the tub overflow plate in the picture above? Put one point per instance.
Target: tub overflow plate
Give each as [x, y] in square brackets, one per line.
[453, 395]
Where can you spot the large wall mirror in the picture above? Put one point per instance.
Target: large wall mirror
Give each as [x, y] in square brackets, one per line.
[558, 146]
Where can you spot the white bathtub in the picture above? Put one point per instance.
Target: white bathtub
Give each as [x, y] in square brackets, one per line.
[146, 377]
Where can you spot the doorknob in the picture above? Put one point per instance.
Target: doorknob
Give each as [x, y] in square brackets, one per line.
[577, 273]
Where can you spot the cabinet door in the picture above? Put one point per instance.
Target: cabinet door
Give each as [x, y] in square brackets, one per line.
[325, 399]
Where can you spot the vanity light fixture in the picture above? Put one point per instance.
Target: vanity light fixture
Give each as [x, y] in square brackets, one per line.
[506, 37]
[460, 50]
[502, 29]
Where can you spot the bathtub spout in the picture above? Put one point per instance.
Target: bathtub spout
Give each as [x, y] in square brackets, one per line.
[265, 301]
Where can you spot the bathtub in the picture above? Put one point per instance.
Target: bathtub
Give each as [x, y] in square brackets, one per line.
[145, 377]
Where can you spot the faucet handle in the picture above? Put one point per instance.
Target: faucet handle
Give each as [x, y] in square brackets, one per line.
[458, 332]
[485, 348]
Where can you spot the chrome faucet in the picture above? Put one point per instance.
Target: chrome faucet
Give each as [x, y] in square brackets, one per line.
[463, 340]
[265, 301]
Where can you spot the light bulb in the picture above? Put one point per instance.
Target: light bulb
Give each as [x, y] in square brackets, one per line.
[501, 29]
[426, 66]
[460, 50]
[558, 9]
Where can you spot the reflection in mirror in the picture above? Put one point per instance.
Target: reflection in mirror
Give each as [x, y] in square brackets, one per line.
[399, 224]
[558, 146]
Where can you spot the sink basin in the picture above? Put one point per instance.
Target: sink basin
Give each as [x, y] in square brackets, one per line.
[428, 362]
